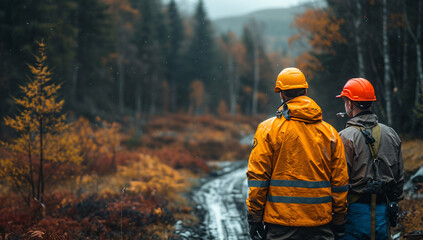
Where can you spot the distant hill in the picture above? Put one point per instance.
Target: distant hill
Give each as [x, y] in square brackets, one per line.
[276, 26]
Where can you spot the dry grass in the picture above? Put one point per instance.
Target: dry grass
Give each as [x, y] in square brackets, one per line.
[412, 152]
[411, 210]
[411, 218]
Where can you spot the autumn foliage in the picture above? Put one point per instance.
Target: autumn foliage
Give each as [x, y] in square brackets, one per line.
[97, 187]
[204, 137]
[42, 133]
[320, 28]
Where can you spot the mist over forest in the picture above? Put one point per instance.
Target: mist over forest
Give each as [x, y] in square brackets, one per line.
[113, 111]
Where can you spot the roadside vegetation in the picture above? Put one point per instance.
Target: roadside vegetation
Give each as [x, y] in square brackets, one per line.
[411, 216]
[128, 186]
[139, 99]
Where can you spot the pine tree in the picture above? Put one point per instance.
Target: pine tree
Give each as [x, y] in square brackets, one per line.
[176, 35]
[201, 45]
[149, 54]
[94, 42]
[39, 125]
[202, 54]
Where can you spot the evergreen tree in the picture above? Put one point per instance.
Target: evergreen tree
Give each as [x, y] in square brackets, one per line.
[152, 41]
[337, 55]
[123, 16]
[202, 54]
[175, 61]
[94, 43]
[21, 24]
[201, 45]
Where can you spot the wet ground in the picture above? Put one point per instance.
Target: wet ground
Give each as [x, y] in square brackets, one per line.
[221, 205]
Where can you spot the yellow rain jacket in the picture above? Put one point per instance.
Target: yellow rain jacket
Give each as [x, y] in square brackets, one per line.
[297, 172]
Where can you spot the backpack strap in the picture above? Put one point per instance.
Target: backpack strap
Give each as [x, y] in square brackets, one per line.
[376, 133]
[372, 137]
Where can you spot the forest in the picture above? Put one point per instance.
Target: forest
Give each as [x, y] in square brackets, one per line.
[112, 110]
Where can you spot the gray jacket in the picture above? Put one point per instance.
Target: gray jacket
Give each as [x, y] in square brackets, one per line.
[360, 161]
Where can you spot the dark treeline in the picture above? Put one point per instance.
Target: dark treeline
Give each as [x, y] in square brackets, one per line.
[376, 39]
[135, 58]
[140, 58]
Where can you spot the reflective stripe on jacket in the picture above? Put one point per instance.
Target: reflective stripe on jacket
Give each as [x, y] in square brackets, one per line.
[297, 172]
[360, 161]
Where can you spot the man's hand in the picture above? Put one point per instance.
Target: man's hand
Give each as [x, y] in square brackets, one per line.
[338, 231]
[257, 231]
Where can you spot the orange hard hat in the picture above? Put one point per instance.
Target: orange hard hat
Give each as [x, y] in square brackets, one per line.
[290, 78]
[358, 89]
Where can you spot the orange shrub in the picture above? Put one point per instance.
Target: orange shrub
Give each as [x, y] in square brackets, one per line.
[178, 157]
[205, 137]
[100, 144]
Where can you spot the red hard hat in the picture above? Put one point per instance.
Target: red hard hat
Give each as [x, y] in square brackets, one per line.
[358, 89]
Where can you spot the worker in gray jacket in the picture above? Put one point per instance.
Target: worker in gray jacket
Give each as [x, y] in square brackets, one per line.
[375, 165]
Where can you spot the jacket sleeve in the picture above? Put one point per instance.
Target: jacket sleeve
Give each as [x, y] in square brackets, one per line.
[399, 177]
[349, 152]
[339, 181]
[259, 173]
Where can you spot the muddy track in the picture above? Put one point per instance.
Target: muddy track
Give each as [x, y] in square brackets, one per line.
[220, 206]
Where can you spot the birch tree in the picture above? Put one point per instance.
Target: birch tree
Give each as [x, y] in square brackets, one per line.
[387, 64]
[358, 40]
[417, 38]
[235, 54]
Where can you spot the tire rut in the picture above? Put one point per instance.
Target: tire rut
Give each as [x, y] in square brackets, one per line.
[221, 206]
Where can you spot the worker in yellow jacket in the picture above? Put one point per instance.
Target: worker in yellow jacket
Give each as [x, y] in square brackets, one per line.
[297, 171]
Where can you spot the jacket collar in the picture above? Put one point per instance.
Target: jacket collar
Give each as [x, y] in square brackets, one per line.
[366, 119]
[300, 108]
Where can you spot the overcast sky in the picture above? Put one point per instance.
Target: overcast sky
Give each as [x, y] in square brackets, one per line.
[224, 8]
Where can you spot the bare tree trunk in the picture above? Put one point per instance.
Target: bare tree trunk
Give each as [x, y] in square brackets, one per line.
[40, 191]
[416, 37]
[231, 81]
[405, 59]
[74, 86]
[419, 84]
[138, 100]
[153, 93]
[173, 93]
[138, 107]
[387, 78]
[121, 91]
[121, 50]
[256, 78]
[235, 91]
[357, 38]
[236, 86]
[31, 172]
[75, 73]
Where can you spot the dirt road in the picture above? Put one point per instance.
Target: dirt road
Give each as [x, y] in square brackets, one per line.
[221, 203]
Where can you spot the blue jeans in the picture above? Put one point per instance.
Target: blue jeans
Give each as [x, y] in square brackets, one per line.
[358, 222]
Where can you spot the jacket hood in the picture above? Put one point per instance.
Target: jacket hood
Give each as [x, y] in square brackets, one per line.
[302, 109]
[366, 120]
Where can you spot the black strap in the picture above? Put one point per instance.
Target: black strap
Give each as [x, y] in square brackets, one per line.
[284, 112]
